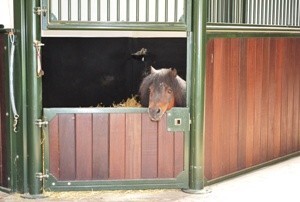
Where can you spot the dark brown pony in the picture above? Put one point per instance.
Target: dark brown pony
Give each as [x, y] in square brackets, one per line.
[161, 90]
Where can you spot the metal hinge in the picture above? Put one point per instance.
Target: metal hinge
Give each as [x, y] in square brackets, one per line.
[41, 176]
[40, 11]
[41, 123]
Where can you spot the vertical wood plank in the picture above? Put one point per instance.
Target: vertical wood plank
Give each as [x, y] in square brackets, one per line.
[84, 146]
[165, 150]
[67, 146]
[149, 147]
[217, 108]
[179, 146]
[117, 146]
[258, 68]
[250, 99]
[233, 103]
[133, 146]
[100, 146]
[272, 99]
[208, 108]
[290, 89]
[278, 95]
[54, 147]
[265, 102]
[296, 119]
[225, 124]
[284, 101]
[242, 108]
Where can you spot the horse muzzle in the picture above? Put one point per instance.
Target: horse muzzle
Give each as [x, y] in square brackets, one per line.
[155, 114]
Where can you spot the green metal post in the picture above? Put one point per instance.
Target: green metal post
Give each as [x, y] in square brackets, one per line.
[198, 35]
[34, 99]
[20, 66]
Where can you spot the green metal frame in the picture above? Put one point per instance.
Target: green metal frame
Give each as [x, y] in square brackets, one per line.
[52, 184]
[49, 24]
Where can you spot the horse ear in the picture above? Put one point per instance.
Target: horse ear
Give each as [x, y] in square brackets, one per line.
[173, 72]
[153, 70]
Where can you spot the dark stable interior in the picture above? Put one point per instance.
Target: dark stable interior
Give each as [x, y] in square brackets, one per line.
[84, 72]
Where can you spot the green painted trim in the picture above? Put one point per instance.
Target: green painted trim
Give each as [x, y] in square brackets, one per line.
[65, 25]
[251, 169]
[234, 31]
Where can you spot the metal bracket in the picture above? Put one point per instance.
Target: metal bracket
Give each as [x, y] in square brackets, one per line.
[41, 176]
[38, 45]
[40, 11]
[40, 123]
[178, 119]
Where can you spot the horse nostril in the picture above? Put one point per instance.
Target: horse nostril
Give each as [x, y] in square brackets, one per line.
[158, 111]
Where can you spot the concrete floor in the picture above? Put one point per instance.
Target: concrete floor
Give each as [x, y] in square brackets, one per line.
[280, 182]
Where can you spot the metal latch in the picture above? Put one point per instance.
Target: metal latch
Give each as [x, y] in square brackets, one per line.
[41, 176]
[40, 11]
[178, 119]
[40, 123]
[38, 46]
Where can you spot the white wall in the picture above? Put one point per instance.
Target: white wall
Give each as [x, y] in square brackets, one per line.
[6, 13]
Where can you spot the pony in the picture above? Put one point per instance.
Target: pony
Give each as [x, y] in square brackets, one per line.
[161, 90]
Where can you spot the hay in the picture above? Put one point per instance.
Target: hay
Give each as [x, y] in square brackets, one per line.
[129, 102]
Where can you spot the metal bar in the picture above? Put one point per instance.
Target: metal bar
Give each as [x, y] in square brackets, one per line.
[108, 10]
[166, 10]
[79, 10]
[156, 11]
[89, 10]
[98, 10]
[176, 11]
[137, 10]
[196, 173]
[59, 10]
[147, 10]
[118, 10]
[127, 10]
[34, 99]
[69, 10]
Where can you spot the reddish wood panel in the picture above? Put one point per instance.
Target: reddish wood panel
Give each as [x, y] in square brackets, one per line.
[133, 152]
[100, 146]
[149, 147]
[83, 146]
[165, 150]
[178, 153]
[67, 146]
[54, 147]
[117, 146]
[252, 102]
[114, 147]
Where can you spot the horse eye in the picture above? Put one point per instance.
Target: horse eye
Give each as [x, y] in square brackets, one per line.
[169, 90]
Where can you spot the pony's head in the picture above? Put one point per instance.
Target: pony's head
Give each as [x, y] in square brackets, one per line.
[158, 92]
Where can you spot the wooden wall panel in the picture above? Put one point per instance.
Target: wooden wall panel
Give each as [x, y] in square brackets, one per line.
[117, 146]
[252, 102]
[165, 150]
[178, 153]
[149, 147]
[54, 147]
[84, 147]
[133, 152]
[100, 146]
[113, 147]
[67, 146]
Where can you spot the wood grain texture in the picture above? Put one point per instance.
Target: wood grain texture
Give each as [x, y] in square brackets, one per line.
[84, 147]
[252, 102]
[67, 146]
[54, 147]
[117, 146]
